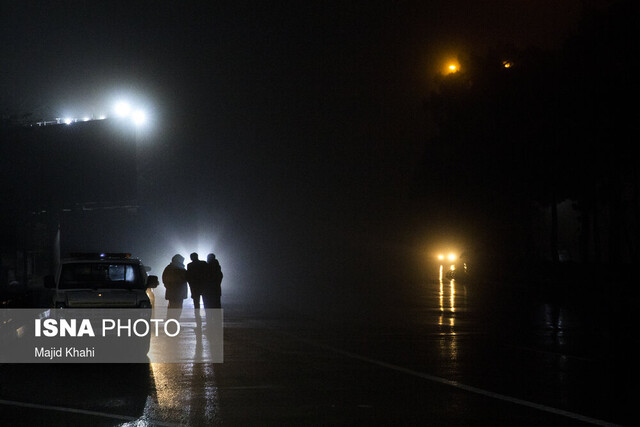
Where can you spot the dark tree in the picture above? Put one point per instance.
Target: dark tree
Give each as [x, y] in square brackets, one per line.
[549, 127]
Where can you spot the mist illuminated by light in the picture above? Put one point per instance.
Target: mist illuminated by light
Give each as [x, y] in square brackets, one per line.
[139, 117]
[122, 109]
[203, 246]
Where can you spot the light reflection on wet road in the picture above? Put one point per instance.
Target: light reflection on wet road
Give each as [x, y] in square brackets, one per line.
[447, 354]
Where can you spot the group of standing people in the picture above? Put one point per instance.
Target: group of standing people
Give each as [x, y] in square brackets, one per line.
[204, 278]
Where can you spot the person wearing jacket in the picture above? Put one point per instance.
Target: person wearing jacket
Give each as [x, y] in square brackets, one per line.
[197, 277]
[174, 278]
[211, 294]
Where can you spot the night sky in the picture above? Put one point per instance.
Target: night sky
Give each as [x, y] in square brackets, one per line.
[286, 133]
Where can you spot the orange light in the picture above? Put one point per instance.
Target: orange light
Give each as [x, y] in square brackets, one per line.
[451, 66]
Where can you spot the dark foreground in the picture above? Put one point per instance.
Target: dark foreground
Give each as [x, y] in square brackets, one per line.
[443, 354]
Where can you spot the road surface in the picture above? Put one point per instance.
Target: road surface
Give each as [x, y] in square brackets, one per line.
[442, 354]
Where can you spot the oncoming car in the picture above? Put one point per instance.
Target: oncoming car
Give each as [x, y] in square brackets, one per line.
[453, 266]
[101, 280]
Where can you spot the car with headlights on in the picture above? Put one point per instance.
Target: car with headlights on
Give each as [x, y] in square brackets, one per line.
[453, 266]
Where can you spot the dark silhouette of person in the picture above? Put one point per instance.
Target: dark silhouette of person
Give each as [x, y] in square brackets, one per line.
[174, 278]
[213, 291]
[197, 278]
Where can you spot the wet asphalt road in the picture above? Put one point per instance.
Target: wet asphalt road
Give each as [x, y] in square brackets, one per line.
[442, 353]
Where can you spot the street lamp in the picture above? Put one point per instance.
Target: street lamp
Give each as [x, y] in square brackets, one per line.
[450, 65]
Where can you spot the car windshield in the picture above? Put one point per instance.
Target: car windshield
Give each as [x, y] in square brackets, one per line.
[99, 275]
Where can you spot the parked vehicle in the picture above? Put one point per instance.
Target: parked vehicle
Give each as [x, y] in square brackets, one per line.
[106, 280]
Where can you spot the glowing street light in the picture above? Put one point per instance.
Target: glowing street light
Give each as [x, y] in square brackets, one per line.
[123, 109]
[450, 66]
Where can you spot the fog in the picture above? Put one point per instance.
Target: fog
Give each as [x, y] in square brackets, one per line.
[284, 138]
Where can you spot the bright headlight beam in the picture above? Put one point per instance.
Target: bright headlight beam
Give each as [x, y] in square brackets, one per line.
[139, 117]
[122, 109]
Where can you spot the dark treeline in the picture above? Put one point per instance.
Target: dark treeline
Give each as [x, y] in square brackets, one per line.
[520, 131]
